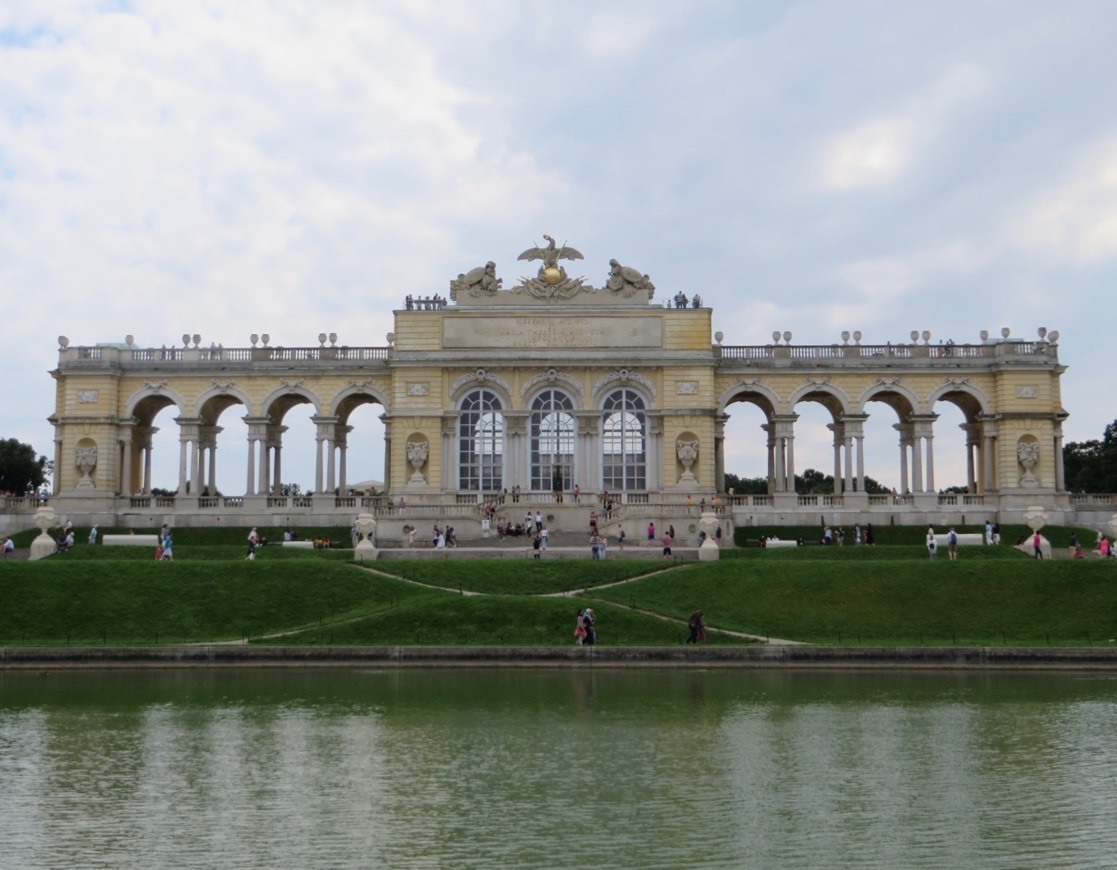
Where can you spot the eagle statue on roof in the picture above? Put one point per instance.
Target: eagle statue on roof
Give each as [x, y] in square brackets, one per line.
[551, 272]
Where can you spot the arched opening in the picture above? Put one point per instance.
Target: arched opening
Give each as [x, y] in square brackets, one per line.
[820, 455]
[887, 430]
[481, 442]
[365, 448]
[624, 442]
[747, 445]
[958, 442]
[152, 462]
[221, 435]
[553, 433]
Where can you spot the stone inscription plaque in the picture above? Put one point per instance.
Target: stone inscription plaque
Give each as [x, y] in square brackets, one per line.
[557, 332]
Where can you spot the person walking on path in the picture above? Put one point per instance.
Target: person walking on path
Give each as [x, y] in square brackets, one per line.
[697, 627]
[952, 544]
[1037, 545]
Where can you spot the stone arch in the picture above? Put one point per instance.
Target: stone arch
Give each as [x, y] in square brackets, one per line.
[215, 400]
[960, 392]
[830, 396]
[152, 399]
[345, 401]
[889, 391]
[480, 379]
[623, 378]
[754, 393]
[284, 398]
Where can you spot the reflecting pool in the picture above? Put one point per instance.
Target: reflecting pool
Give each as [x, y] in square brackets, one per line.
[556, 768]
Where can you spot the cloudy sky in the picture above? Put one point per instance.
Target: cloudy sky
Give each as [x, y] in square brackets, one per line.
[298, 167]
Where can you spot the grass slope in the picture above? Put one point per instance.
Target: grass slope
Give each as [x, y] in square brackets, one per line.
[898, 601]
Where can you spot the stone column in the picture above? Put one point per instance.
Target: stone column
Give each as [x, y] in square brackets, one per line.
[208, 440]
[972, 443]
[839, 439]
[325, 440]
[591, 425]
[387, 421]
[853, 428]
[989, 438]
[923, 437]
[257, 435]
[272, 459]
[1060, 472]
[768, 429]
[904, 429]
[449, 453]
[655, 451]
[719, 450]
[342, 439]
[784, 432]
[188, 436]
[126, 458]
[518, 449]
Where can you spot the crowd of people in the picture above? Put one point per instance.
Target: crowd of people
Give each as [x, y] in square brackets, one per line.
[680, 300]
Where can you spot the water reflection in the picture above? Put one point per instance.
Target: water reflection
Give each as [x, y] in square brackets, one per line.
[351, 768]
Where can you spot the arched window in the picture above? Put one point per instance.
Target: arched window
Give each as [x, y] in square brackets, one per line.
[552, 441]
[624, 461]
[481, 442]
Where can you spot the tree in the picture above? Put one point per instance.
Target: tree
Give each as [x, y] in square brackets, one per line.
[20, 471]
[1091, 466]
[746, 485]
[810, 481]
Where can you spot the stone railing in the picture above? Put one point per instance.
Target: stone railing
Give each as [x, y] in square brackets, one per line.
[874, 354]
[129, 357]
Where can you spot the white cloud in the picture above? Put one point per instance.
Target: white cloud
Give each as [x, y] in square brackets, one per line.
[1074, 220]
[878, 152]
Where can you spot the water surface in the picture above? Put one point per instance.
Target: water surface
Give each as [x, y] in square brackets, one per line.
[556, 768]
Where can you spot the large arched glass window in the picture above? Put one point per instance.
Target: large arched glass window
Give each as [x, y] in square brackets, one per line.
[624, 461]
[552, 441]
[481, 442]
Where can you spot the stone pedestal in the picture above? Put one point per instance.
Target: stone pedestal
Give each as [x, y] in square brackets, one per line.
[43, 546]
[366, 551]
[709, 551]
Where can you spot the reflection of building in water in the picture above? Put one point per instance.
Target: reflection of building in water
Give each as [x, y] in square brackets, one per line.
[547, 384]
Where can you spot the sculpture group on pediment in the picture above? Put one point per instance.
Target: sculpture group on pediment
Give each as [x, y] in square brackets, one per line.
[551, 282]
[481, 281]
[627, 281]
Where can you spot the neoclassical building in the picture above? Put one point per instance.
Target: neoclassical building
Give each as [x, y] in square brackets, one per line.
[548, 384]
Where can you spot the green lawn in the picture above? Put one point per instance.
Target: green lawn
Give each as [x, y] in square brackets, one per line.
[884, 595]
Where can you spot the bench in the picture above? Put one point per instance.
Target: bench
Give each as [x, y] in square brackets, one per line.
[302, 545]
[965, 538]
[130, 540]
[770, 544]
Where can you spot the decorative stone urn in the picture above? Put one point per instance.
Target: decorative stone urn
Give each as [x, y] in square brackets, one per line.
[85, 458]
[366, 547]
[1027, 453]
[44, 545]
[687, 452]
[709, 551]
[417, 453]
